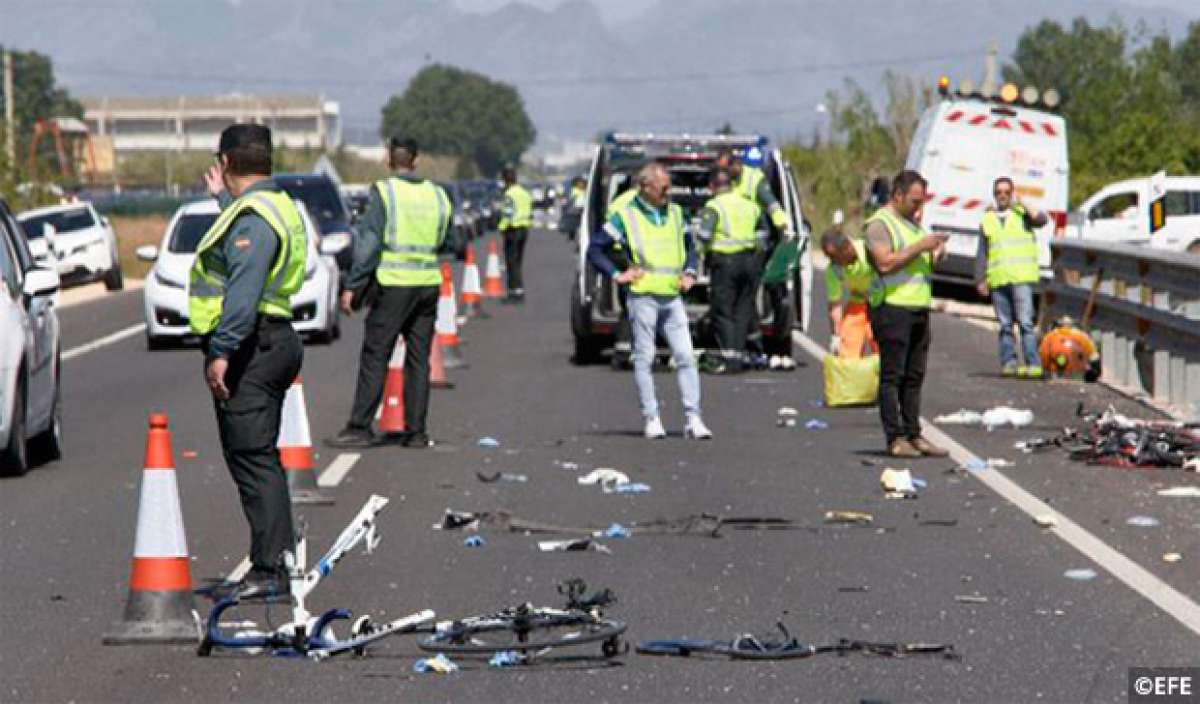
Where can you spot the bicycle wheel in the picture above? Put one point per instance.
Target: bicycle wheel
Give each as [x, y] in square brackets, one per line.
[492, 634]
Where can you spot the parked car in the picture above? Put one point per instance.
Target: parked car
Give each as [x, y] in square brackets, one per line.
[328, 209]
[30, 382]
[1119, 212]
[315, 312]
[82, 241]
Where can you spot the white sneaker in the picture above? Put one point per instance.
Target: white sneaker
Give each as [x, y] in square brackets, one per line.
[655, 430]
[776, 362]
[696, 429]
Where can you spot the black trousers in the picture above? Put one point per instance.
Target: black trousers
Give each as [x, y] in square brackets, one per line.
[514, 256]
[410, 311]
[258, 377]
[734, 278]
[903, 335]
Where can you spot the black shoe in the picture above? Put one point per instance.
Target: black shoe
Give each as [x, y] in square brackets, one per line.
[260, 585]
[417, 441]
[357, 438]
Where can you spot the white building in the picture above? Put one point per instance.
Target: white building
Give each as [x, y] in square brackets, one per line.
[195, 123]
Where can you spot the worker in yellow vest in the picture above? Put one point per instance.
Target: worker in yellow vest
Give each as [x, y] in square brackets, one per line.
[1006, 266]
[515, 220]
[728, 233]
[902, 255]
[659, 264]
[247, 267]
[848, 279]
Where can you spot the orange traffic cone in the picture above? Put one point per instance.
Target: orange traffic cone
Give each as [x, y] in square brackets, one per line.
[437, 367]
[295, 449]
[472, 294]
[446, 327]
[159, 609]
[493, 285]
[391, 411]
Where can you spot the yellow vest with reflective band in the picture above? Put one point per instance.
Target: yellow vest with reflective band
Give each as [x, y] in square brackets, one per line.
[578, 198]
[206, 287]
[737, 221]
[912, 286]
[418, 214]
[1012, 250]
[622, 201]
[747, 185]
[854, 281]
[657, 248]
[522, 215]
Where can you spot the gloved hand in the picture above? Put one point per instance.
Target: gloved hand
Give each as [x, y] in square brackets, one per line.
[835, 345]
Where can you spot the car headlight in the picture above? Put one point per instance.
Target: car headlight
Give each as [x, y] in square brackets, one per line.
[169, 283]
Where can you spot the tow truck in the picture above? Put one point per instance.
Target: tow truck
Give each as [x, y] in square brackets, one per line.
[595, 302]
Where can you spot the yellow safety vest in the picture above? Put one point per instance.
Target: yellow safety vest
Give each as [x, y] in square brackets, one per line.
[206, 288]
[578, 198]
[522, 215]
[737, 220]
[854, 281]
[622, 201]
[418, 214]
[1012, 249]
[657, 248]
[912, 286]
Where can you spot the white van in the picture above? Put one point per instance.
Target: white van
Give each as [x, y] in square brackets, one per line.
[1119, 213]
[962, 145]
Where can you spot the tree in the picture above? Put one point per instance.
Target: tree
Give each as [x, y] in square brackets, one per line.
[456, 112]
[37, 97]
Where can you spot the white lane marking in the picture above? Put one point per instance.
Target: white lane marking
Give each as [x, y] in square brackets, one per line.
[103, 341]
[337, 470]
[89, 293]
[1139, 579]
[239, 572]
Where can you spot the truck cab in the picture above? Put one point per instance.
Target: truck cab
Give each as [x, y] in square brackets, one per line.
[595, 300]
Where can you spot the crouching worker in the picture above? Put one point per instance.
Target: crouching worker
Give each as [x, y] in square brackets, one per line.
[847, 285]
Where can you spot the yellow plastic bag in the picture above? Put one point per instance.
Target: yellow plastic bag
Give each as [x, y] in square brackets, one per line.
[851, 382]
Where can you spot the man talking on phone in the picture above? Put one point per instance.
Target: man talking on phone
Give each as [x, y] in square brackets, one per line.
[903, 255]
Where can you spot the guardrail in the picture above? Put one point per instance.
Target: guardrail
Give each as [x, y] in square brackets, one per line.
[1145, 303]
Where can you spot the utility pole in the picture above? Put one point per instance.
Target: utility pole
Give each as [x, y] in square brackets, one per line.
[10, 126]
[991, 76]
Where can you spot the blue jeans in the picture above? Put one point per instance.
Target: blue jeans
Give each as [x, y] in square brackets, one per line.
[647, 315]
[1016, 300]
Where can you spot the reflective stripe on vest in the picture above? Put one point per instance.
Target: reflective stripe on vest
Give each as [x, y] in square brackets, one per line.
[418, 214]
[206, 285]
[910, 287]
[1012, 250]
[522, 215]
[657, 248]
[737, 219]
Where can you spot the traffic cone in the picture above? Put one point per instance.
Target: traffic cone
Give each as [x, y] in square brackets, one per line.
[448, 275]
[437, 367]
[391, 411]
[159, 609]
[472, 294]
[295, 449]
[446, 327]
[493, 285]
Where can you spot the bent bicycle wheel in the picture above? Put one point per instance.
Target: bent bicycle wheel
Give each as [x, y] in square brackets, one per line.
[495, 634]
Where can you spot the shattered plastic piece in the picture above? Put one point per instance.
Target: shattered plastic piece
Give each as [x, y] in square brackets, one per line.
[788, 411]
[995, 462]
[975, 464]
[1046, 520]
[617, 530]
[855, 517]
[488, 441]
[507, 658]
[898, 484]
[441, 665]
[1181, 492]
[1171, 557]
[576, 545]
[458, 520]
[606, 477]
[1142, 521]
[919, 483]
[474, 541]
[569, 466]
[816, 424]
[963, 417]
[1080, 575]
[501, 477]
[634, 488]
[971, 599]
[1003, 415]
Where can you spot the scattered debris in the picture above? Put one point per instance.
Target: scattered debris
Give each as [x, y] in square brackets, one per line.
[458, 520]
[507, 658]
[859, 589]
[1142, 521]
[632, 488]
[1171, 557]
[854, 517]
[816, 424]
[694, 524]
[1036, 444]
[786, 417]
[440, 664]
[750, 647]
[943, 522]
[577, 545]
[1080, 575]
[488, 442]
[501, 477]
[189, 454]
[1112, 439]
[962, 417]
[617, 530]
[1181, 492]
[898, 484]
[474, 541]
[971, 599]
[606, 477]
[1046, 520]
[990, 419]
[569, 466]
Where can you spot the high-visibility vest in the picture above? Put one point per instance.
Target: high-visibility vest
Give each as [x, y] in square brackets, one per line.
[852, 282]
[737, 221]
[418, 214]
[578, 198]
[655, 247]
[207, 280]
[912, 286]
[522, 204]
[622, 201]
[1012, 249]
[747, 184]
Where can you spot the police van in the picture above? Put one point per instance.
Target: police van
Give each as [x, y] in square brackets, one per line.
[595, 301]
[965, 141]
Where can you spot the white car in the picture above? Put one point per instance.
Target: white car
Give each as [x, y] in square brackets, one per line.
[314, 307]
[1119, 213]
[81, 241]
[30, 398]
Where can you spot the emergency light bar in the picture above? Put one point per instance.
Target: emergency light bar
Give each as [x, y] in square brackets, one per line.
[680, 140]
[1009, 93]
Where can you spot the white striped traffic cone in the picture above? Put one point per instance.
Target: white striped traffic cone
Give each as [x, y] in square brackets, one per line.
[472, 292]
[296, 451]
[446, 327]
[159, 609]
[493, 284]
[391, 409]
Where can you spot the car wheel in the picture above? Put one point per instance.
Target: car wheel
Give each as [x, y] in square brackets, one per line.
[47, 446]
[114, 280]
[14, 458]
[155, 343]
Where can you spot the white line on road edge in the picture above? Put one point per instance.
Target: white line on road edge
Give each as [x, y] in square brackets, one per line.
[238, 572]
[337, 470]
[103, 341]
[1136, 577]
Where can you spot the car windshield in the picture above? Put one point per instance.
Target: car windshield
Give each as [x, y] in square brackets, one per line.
[188, 231]
[71, 220]
[321, 198]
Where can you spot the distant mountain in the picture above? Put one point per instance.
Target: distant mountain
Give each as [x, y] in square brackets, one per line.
[678, 65]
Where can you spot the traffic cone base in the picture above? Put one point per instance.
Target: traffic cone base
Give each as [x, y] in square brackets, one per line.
[437, 368]
[391, 409]
[295, 450]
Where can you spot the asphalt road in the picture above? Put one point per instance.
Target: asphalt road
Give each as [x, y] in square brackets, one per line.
[69, 530]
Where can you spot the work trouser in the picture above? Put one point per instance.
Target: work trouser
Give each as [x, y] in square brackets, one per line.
[410, 311]
[1014, 303]
[733, 279]
[903, 336]
[649, 314]
[514, 257]
[855, 332]
[258, 378]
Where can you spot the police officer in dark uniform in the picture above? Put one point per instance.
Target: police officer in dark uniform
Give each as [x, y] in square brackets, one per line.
[247, 266]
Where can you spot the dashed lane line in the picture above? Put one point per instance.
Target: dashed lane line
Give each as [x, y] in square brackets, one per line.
[337, 470]
[103, 341]
[1178, 605]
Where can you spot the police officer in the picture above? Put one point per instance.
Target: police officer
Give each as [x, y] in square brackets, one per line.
[1006, 265]
[405, 228]
[573, 215]
[516, 218]
[727, 229]
[903, 256]
[247, 266]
